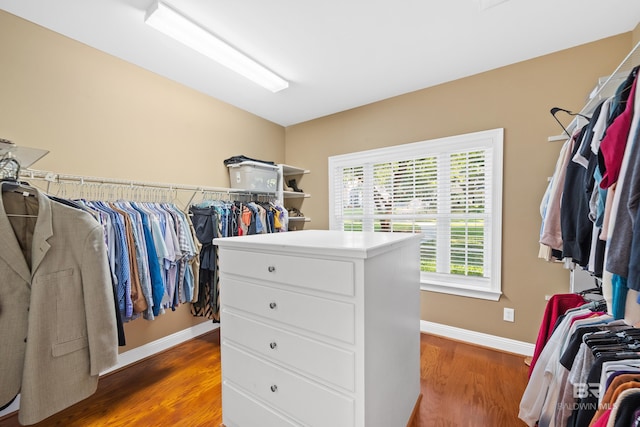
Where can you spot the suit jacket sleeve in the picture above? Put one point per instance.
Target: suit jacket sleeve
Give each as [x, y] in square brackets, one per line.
[98, 300]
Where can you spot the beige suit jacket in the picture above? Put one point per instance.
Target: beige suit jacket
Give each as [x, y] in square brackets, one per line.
[57, 318]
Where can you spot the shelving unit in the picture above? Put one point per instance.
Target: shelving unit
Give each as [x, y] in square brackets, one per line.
[292, 199]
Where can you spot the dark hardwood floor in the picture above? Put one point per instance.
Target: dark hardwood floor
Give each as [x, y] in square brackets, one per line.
[465, 385]
[462, 385]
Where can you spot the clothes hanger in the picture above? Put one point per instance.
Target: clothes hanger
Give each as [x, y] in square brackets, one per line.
[10, 174]
[10, 171]
[9, 168]
[592, 291]
[555, 110]
[23, 188]
[596, 290]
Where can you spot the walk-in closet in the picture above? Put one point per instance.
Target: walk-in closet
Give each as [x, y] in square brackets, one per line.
[359, 214]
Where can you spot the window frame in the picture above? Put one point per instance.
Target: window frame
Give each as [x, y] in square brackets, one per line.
[492, 140]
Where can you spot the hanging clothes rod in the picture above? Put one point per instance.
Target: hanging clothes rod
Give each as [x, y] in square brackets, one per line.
[52, 177]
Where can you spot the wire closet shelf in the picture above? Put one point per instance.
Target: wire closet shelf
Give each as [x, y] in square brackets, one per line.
[80, 186]
[606, 88]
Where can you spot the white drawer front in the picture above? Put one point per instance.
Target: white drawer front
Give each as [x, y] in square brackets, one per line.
[325, 275]
[327, 317]
[295, 395]
[323, 361]
[239, 410]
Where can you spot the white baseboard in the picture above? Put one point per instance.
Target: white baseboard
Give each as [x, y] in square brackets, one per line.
[164, 343]
[479, 338]
[144, 351]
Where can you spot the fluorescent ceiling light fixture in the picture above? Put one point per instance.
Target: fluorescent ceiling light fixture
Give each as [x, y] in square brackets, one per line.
[488, 4]
[169, 21]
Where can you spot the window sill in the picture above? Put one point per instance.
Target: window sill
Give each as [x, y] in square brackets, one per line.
[486, 294]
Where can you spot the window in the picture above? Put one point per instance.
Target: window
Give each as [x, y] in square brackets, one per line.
[448, 189]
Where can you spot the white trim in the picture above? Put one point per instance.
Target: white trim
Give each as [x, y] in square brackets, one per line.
[484, 139]
[479, 293]
[496, 211]
[479, 338]
[139, 353]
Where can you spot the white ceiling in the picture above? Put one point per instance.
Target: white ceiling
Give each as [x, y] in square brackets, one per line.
[336, 54]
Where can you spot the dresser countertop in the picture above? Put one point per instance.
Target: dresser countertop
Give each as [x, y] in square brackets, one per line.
[353, 244]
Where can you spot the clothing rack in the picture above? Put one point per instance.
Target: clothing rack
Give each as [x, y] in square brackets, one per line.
[604, 90]
[581, 280]
[133, 186]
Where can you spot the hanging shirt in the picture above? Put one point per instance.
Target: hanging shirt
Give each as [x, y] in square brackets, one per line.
[613, 144]
[122, 267]
[155, 271]
[141, 257]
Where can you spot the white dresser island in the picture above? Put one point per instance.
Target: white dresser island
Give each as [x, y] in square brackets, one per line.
[320, 328]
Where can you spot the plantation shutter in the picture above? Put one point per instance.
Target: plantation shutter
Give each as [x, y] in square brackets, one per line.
[445, 191]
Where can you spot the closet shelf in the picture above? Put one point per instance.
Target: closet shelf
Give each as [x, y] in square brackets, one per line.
[58, 177]
[299, 219]
[288, 170]
[606, 88]
[562, 137]
[292, 200]
[295, 195]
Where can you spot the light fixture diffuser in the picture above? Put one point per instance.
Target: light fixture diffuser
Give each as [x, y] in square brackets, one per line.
[169, 21]
[488, 4]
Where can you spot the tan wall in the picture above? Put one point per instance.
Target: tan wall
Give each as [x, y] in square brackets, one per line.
[100, 116]
[516, 98]
[636, 35]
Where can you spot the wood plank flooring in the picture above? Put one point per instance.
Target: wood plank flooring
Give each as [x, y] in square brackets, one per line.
[462, 385]
[465, 385]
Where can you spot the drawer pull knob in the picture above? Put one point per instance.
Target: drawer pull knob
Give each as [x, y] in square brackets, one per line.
[274, 388]
[273, 305]
[273, 345]
[271, 269]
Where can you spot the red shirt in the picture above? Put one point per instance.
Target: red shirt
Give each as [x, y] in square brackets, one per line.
[556, 306]
[614, 142]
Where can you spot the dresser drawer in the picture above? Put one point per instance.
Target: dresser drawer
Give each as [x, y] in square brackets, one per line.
[323, 361]
[334, 319]
[239, 410]
[292, 394]
[312, 273]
